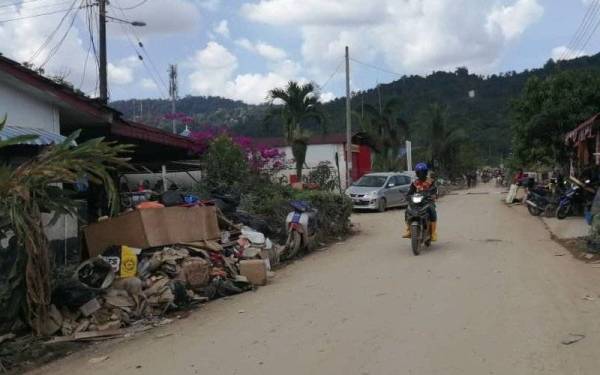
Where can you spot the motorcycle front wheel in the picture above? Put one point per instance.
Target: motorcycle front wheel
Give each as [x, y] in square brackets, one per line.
[563, 211]
[293, 244]
[534, 211]
[415, 239]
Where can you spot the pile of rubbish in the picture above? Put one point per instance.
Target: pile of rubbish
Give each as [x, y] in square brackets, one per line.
[125, 286]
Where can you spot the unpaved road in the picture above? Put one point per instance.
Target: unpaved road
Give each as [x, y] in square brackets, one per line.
[490, 298]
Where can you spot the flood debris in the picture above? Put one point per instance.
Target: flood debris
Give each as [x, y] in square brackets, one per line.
[124, 290]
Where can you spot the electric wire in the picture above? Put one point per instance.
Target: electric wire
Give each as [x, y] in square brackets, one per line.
[52, 34]
[133, 6]
[19, 11]
[585, 26]
[130, 32]
[58, 45]
[12, 4]
[33, 16]
[331, 76]
[376, 67]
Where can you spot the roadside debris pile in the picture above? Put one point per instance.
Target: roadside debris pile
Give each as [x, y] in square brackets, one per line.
[174, 267]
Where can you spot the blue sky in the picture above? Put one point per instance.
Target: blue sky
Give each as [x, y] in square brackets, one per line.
[241, 48]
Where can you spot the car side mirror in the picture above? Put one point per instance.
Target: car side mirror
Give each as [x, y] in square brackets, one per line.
[391, 185]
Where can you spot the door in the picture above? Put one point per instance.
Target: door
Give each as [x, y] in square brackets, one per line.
[393, 191]
[405, 182]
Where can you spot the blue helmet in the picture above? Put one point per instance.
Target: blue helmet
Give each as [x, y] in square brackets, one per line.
[421, 170]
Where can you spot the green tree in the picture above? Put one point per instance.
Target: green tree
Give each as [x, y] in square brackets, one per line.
[30, 189]
[300, 105]
[388, 130]
[549, 108]
[445, 142]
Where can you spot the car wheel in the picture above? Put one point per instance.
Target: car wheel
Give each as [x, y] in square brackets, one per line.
[381, 205]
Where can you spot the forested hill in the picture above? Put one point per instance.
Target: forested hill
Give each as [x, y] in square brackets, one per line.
[484, 116]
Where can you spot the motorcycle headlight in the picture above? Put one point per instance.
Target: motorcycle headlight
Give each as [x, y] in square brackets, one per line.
[417, 199]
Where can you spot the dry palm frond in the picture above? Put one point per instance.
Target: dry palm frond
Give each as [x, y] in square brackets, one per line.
[30, 189]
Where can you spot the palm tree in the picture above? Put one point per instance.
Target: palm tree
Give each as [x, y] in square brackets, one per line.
[444, 141]
[389, 131]
[30, 189]
[300, 104]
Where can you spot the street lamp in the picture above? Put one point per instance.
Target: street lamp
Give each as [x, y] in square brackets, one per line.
[132, 23]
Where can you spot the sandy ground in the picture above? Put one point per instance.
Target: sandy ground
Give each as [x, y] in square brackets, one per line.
[491, 297]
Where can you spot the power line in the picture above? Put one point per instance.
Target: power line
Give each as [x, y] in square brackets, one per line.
[54, 50]
[133, 6]
[5, 5]
[21, 10]
[332, 75]
[583, 29]
[591, 35]
[129, 31]
[52, 34]
[36, 15]
[376, 67]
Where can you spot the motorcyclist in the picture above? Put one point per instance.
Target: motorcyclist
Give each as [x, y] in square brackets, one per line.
[421, 184]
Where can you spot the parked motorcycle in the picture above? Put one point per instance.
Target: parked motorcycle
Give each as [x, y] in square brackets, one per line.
[417, 217]
[539, 200]
[576, 199]
[544, 199]
[302, 226]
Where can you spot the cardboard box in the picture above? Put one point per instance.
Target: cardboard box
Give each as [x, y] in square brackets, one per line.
[153, 227]
[255, 270]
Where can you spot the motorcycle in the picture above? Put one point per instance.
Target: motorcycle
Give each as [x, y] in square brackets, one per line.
[576, 199]
[417, 217]
[538, 201]
[301, 225]
[544, 199]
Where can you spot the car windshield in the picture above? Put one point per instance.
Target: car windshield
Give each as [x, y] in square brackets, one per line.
[371, 181]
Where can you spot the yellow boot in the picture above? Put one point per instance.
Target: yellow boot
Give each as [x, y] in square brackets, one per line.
[407, 233]
[433, 228]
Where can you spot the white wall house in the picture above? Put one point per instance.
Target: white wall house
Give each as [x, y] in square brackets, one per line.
[315, 154]
[25, 110]
[320, 149]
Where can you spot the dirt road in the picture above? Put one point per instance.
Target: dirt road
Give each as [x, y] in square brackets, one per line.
[491, 297]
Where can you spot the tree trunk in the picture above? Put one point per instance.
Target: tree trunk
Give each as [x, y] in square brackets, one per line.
[299, 147]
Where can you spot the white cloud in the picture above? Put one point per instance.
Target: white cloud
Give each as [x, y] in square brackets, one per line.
[214, 72]
[270, 52]
[565, 53]
[315, 12]
[119, 75]
[245, 43]
[222, 28]
[412, 36]
[162, 17]
[21, 41]
[148, 84]
[327, 97]
[515, 18]
[211, 5]
[263, 49]
[123, 71]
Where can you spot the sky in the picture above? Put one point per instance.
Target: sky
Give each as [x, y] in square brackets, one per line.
[240, 49]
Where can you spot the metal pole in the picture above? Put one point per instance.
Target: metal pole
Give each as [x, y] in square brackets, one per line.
[164, 177]
[408, 155]
[103, 60]
[348, 123]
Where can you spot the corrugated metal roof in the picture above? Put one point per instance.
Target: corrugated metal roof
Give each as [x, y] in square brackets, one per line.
[45, 137]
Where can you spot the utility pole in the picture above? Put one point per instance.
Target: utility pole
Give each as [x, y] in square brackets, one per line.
[103, 60]
[173, 89]
[348, 122]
